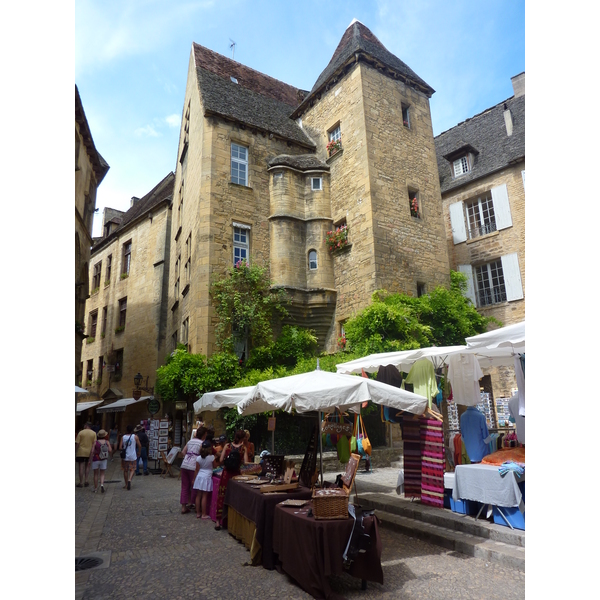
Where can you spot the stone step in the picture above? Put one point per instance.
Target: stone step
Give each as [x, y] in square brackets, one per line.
[442, 517]
[498, 552]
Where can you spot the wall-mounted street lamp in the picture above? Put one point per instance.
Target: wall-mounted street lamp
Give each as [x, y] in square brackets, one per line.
[138, 380]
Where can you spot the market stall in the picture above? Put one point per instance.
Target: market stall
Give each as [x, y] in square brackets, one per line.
[461, 365]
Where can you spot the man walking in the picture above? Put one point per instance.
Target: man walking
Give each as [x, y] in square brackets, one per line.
[84, 441]
[145, 446]
[130, 443]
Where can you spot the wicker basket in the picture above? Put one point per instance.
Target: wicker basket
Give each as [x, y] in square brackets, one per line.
[332, 506]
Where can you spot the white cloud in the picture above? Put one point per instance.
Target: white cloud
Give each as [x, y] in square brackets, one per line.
[113, 29]
[146, 131]
[173, 121]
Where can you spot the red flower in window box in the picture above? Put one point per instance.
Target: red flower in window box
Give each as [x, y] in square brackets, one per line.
[338, 239]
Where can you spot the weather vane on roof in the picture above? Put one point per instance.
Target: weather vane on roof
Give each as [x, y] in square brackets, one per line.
[232, 47]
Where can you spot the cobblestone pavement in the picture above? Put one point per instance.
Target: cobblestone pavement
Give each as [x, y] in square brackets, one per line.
[155, 552]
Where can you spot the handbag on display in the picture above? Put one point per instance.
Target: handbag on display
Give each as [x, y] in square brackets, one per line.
[363, 443]
[343, 449]
[353, 443]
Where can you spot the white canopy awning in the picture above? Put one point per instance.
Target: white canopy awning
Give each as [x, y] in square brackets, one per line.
[512, 336]
[80, 390]
[222, 399]
[121, 405]
[325, 391]
[81, 406]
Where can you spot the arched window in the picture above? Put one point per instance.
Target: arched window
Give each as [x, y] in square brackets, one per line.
[312, 260]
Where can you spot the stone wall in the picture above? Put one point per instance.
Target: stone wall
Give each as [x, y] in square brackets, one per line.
[141, 341]
[370, 178]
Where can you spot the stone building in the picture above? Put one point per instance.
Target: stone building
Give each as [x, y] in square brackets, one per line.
[90, 169]
[126, 308]
[481, 163]
[265, 170]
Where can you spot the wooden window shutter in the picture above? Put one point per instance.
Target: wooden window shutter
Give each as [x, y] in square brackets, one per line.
[470, 292]
[457, 220]
[501, 207]
[512, 277]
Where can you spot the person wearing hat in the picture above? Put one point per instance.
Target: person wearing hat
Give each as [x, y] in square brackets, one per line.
[99, 454]
[144, 450]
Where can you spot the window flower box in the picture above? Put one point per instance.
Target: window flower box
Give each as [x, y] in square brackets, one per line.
[95, 291]
[124, 276]
[120, 329]
[334, 147]
[338, 239]
[90, 340]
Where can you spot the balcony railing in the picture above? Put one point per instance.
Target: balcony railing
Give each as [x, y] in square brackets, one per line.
[489, 227]
[493, 295]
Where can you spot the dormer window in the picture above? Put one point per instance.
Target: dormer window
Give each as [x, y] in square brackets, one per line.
[461, 166]
[233, 79]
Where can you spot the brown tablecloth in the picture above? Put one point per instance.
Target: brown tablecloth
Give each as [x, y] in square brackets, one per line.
[310, 550]
[259, 508]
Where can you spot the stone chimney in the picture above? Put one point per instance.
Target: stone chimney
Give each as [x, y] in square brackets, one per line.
[518, 83]
[134, 199]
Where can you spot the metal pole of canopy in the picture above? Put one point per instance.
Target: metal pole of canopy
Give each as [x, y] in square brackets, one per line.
[273, 436]
[319, 416]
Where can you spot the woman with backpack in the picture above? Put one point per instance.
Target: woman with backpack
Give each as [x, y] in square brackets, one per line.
[101, 450]
[232, 457]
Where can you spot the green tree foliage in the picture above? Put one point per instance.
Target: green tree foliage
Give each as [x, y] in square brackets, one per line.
[291, 345]
[393, 322]
[188, 375]
[244, 300]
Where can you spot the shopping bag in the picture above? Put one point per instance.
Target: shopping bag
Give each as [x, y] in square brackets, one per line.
[343, 449]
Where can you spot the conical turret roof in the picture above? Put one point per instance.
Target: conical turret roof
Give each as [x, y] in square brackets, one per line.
[359, 41]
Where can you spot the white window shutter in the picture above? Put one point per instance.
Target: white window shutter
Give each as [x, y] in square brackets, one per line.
[512, 277]
[457, 220]
[470, 293]
[501, 207]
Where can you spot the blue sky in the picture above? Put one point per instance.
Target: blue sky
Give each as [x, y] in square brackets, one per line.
[131, 59]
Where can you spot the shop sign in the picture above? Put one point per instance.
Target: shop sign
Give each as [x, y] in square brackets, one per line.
[153, 406]
[137, 394]
[271, 426]
[181, 405]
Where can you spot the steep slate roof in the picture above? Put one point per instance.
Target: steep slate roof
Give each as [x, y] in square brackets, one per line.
[358, 39]
[302, 162]
[486, 133]
[257, 100]
[159, 193]
[99, 165]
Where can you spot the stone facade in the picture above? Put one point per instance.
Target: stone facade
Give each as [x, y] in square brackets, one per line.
[496, 177]
[380, 162]
[130, 265]
[366, 185]
[90, 169]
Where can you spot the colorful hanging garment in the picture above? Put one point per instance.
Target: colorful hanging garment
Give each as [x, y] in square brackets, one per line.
[432, 465]
[411, 438]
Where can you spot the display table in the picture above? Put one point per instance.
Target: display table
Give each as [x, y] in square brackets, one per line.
[250, 518]
[484, 484]
[310, 550]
